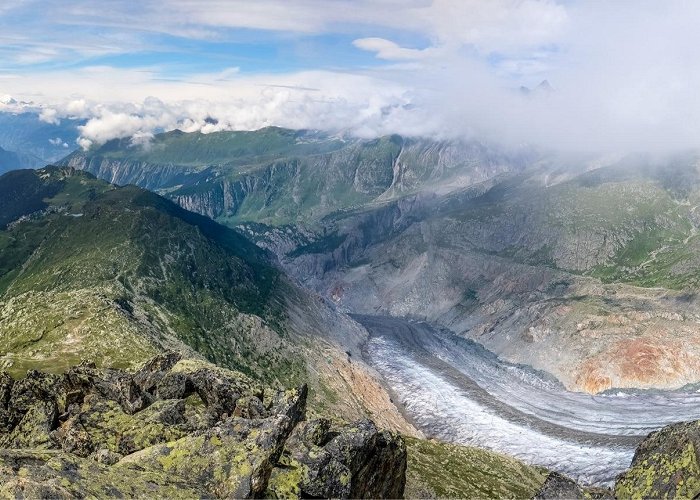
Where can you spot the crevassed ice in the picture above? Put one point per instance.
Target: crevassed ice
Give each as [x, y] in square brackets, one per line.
[592, 438]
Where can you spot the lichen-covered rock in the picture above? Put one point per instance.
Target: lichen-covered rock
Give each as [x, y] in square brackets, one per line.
[665, 465]
[33, 429]
[218, 388]
[26, 393]
[104, 433]
[103, 424]
[559, 487]
[54, 474]
[355, 461]
[232, 459]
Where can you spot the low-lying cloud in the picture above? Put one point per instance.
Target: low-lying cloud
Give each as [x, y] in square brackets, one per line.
[625, 77]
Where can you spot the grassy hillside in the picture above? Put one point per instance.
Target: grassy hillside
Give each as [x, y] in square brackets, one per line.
[220, 148]
[90, 270]
[441, 470]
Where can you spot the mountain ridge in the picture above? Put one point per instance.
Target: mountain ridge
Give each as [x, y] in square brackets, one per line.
[115, 275]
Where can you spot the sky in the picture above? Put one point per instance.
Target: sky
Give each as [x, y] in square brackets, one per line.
[625, 75]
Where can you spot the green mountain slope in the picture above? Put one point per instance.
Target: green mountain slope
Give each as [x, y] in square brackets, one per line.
[278, 176]
[118, 260]
[91, 271]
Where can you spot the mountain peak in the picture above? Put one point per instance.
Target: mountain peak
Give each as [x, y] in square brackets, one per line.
[544, 87]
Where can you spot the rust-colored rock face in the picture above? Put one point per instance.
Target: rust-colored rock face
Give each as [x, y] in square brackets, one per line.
[653, 360]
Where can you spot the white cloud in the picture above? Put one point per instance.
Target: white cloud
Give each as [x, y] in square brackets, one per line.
[49, 115]
[625, 73]
[386, 49]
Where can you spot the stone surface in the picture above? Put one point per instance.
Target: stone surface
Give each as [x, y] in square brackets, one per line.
[559, 487]
[665, 465]
[218, 434]
[326, 461]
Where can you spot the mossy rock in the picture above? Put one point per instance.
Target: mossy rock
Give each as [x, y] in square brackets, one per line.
[106, 426]
[665, 465]
[54, 474]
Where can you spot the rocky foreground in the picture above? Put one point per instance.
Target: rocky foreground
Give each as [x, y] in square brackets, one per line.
[187, 428]
[665, 465]
[182, 428]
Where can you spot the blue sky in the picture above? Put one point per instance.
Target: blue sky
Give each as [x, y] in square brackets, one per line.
[42, 36]
[624, 73]
[182, 37]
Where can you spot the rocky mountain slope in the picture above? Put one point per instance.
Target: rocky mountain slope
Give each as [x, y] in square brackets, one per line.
[183, 428]
[281, 176]
[581, 266]
[592, 278]
[113, 275]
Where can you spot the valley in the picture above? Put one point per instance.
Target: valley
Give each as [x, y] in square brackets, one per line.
[456, 391]
[508, 299]
[351, 249]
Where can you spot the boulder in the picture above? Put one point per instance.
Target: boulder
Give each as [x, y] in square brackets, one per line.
[349, 461]
[665, 465]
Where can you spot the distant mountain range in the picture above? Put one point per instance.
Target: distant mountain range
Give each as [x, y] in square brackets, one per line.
[443, 230]
[9, 161]
[36, 143]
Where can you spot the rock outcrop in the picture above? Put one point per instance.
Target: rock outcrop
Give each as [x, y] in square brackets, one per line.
[665, 465]
[182, 428]
[559, 487]
[357, 460]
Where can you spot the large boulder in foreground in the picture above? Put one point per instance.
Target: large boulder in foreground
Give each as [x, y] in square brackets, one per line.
[665, 465]
[181, 428]
[322, 460]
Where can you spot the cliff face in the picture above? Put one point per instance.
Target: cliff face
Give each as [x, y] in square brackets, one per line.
[298, 184]
[591, 279]
[183, 428]
[586, 268]
[123, 172]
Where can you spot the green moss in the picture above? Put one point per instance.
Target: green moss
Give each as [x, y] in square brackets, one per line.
[286, 479]
[67, 475]
[450, 471]
[672, 476]
[106, 422]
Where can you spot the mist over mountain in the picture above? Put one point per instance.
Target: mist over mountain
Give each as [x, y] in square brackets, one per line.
[36, 142]
[349, 249]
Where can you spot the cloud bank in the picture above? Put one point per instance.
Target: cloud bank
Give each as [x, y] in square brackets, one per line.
[625, 74]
